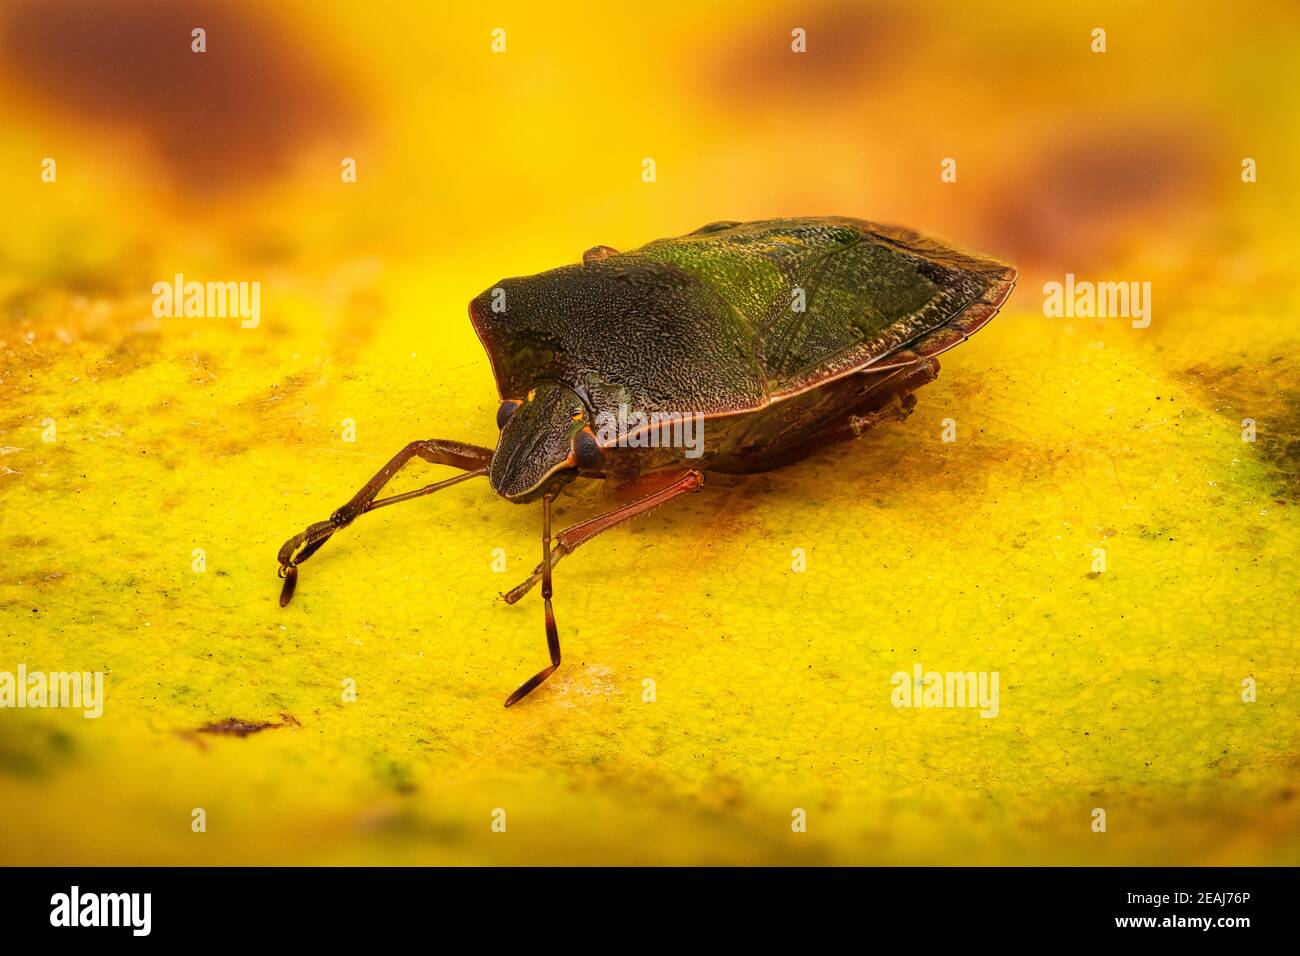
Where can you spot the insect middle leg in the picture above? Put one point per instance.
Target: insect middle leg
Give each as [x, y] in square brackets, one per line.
[666, 486]
[889, 400]
[473, 459]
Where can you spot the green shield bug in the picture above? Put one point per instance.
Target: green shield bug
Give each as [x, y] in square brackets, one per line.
[738, 348]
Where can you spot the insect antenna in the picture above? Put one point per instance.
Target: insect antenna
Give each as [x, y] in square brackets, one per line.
[552, 632]
[426, 490]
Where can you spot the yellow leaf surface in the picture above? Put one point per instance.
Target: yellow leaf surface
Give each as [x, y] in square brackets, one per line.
[129, 441]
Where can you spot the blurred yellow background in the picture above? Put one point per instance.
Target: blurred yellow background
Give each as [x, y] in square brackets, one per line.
[1121, 690]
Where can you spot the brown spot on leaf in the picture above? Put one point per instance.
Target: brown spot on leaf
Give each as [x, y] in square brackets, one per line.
[234, 727]
[1080, 195]
[841, 40]
[1265, 392]
[218, 119]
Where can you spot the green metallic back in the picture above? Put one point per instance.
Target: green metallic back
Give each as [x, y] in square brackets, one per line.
[732, 316]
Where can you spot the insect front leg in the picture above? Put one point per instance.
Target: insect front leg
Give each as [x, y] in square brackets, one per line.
[666, 486]
[473, 459]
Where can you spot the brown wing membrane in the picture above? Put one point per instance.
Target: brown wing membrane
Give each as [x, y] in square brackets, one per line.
[885, 301]
[879, 355]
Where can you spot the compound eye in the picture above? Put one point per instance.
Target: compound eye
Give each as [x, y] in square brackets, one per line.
[504, 412]
[587, 451]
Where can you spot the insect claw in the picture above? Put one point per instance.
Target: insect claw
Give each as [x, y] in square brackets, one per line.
[290, 574]
[519, 590]
[290, 557]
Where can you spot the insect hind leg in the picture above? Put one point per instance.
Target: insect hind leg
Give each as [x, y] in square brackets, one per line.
[889, 400]
[886, 397]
